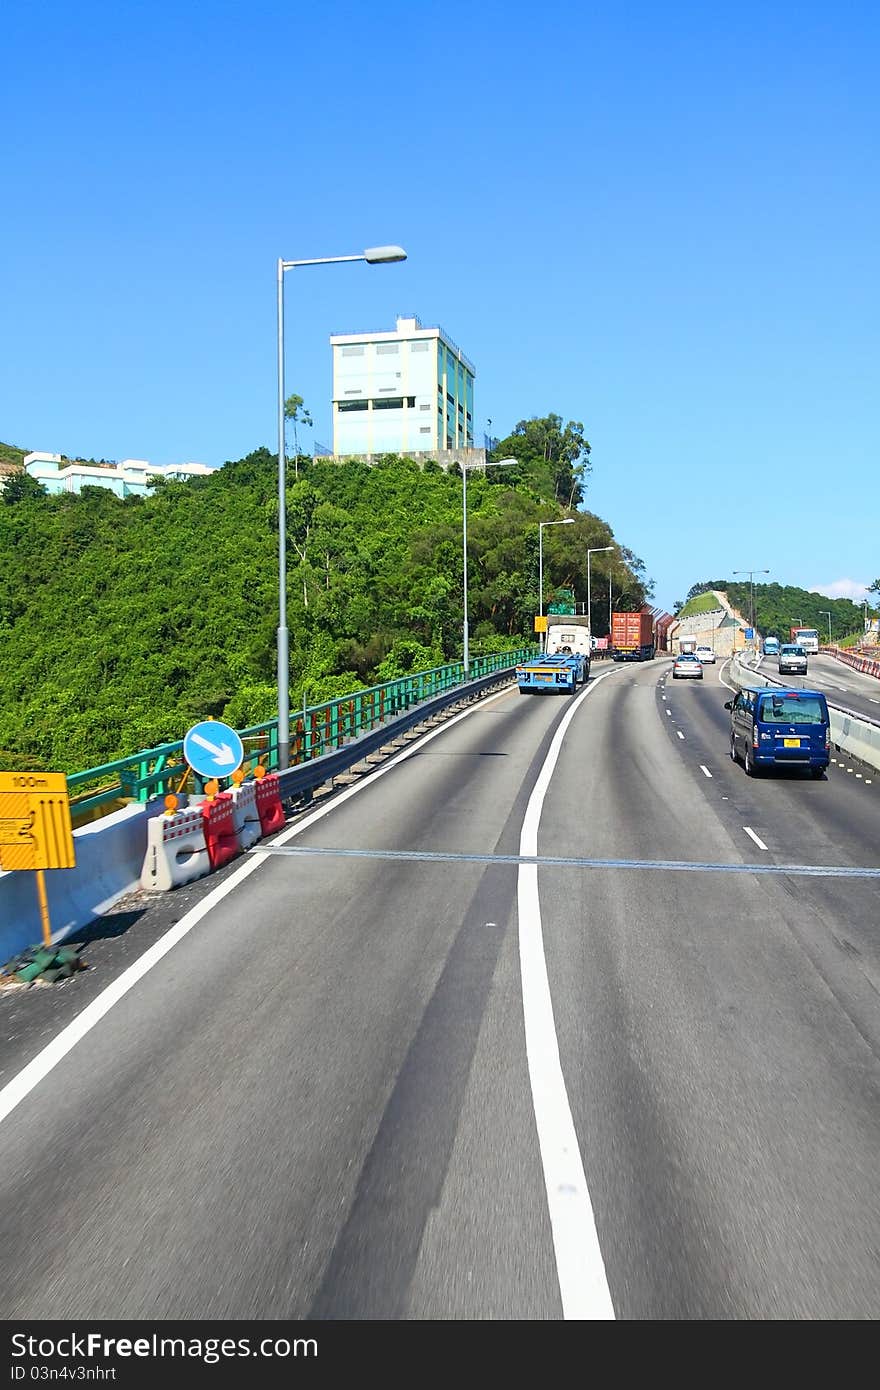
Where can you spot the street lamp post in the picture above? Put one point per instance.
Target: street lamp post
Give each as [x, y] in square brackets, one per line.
[597, 550]
[374, 255]
[751, 574]
[493, 463]
[564, 521]
[825, 614]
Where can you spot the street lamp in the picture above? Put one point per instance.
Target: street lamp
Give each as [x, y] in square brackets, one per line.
[825, 614]
[374, 255]
[493, 463]
[597, 550]
[564, 521]
[751, 574]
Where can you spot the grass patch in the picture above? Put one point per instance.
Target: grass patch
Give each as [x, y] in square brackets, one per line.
[701, 603]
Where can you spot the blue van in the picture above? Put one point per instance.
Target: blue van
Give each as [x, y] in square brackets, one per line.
[771, 646]
[773, 727]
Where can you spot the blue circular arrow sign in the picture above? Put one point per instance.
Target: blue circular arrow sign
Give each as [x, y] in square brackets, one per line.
[213, 749]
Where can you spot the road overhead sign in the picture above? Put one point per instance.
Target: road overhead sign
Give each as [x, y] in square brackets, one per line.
[35, 827]
[213, 749]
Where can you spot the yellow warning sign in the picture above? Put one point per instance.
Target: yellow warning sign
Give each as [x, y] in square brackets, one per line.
[35, 828]
[541, 623]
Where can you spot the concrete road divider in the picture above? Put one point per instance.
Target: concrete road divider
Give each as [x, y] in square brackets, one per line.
[176, 850]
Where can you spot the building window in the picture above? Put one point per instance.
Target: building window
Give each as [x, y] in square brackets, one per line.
[420, 345]
[411, 402]
[389, 403]
[424, 407]
[357, 351]
[342, 406]
[355, 391]
[450, 398]
[425, 429]
[386, 349]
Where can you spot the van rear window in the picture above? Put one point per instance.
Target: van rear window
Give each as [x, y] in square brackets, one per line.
[792, 709]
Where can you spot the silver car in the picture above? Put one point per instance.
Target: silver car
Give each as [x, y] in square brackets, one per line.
[792, 660]
[687, 664]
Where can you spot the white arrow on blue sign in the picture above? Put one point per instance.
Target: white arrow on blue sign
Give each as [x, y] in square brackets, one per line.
[213, 749]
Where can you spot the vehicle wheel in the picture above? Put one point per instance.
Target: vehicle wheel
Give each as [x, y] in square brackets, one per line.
[749, 763]
[817, 773]
[522, 690]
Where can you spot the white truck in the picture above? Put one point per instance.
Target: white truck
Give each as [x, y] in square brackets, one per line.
[687, 644]
[569, 633]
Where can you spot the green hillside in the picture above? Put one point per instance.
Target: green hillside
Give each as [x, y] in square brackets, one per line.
[123, 622]
[778, 607]
[10, 453]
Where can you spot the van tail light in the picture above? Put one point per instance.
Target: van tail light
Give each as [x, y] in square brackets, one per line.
[755, 737]
[828, 738]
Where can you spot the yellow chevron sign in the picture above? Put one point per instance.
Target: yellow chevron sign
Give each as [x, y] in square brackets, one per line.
[35, 828]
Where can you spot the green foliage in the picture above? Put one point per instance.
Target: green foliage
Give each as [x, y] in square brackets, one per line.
[10, 453]
[124, 622]
[19, 486]
[554, 459]
[780, 607]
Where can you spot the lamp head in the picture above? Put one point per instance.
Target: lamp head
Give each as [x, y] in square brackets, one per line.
[383, 255]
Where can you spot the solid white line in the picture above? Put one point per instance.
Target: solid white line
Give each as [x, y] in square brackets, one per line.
[873, 701]
[583, 1283]
[680, 734]
[39, 1067]
[704, 769]
[757, 839]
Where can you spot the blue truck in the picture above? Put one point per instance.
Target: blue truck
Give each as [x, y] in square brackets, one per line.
[559, 673]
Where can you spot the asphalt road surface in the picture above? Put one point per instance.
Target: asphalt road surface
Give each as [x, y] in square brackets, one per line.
[545, 1023]
[841, 684]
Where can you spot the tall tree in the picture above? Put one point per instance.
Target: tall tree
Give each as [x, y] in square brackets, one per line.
[555, 458]
[296, 413]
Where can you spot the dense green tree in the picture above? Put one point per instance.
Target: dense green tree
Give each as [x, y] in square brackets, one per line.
[123, 622]
[554, 459]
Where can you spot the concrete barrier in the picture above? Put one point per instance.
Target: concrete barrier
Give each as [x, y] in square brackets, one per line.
[109, 855]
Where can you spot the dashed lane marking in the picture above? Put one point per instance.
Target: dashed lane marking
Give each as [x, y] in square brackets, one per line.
[705, 770]
[757, 839]
[680, 734]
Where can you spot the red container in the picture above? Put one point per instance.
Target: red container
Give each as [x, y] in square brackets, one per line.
[269, 807]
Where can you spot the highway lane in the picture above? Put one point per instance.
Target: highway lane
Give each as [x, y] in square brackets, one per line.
[319, 1103]
[841, 684]
[720, 1033]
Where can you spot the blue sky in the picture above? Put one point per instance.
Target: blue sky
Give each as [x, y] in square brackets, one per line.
[661, 220]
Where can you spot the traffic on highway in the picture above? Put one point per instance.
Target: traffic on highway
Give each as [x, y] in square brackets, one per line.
[552, 1013]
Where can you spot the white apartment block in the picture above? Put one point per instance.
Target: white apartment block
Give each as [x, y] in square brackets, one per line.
[127, 478]
[410, 391]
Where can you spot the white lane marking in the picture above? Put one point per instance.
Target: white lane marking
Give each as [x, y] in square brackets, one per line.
[704, 769]
[721, 678]
[757, 839]
[873, 701]
[680, 734]
[39, 1067]
[583, 1283]
[669, 712]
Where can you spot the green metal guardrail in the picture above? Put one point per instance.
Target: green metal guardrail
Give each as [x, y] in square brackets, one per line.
[157, 771]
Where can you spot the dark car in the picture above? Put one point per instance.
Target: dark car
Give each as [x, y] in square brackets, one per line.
[780, 728]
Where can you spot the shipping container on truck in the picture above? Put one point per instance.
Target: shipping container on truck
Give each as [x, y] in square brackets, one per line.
[632, 636]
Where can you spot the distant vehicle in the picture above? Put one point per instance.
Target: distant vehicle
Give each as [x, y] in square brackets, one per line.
[632, 636]
[806, 637]
[792, 660]
[771, 646]
[687, 665]
[780, 728]
[687, 644]
[706, 655]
